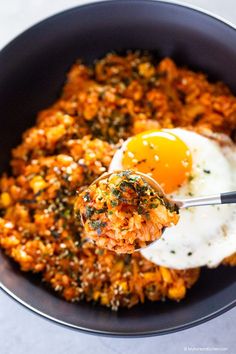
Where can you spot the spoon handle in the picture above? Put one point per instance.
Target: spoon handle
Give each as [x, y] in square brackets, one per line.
[228, 198]
[223, 198]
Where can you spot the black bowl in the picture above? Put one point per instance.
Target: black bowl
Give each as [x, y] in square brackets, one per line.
[32, 71]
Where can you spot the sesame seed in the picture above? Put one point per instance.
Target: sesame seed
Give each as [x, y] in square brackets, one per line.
[130, 154]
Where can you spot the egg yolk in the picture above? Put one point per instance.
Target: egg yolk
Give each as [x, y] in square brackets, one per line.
[161, 154]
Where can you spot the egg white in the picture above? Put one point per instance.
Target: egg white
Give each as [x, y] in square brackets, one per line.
[204, 235]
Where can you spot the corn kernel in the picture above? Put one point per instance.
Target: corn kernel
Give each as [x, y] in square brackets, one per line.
[53, 134]
[146, 70]
[177, 292]
[104, 299]
[166, 276]
[149, 276]
[96, 295]
[124, 286]
[5, 199]
[37, 184]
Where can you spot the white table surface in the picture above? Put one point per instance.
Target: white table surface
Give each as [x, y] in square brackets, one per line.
[22, 332]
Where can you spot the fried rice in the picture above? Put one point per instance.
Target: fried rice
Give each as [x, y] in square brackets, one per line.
[72, 144]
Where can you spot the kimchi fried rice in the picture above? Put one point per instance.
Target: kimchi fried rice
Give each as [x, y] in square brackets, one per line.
[71, 144]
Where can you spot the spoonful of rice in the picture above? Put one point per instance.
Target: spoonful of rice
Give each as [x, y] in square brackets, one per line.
[125, 211]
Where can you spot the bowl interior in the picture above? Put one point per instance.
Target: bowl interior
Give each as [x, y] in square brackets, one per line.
[32, 71]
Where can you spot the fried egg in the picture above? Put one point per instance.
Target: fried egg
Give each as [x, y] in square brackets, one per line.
[187, 164]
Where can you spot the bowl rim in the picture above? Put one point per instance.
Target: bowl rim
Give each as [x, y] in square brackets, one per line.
[7, 291]
[95, 3]
[114, 333]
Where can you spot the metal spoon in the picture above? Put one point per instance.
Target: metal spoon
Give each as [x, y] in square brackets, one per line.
[221, 198]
